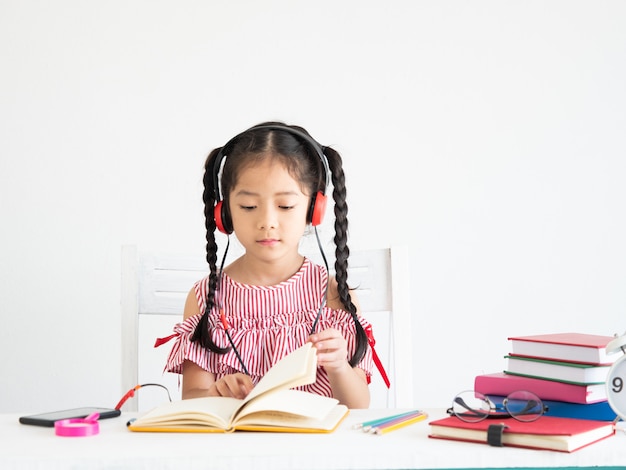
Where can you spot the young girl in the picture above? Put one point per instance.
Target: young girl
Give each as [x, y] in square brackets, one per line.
[266, 185]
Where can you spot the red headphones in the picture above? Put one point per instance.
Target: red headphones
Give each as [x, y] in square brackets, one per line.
[317, 207]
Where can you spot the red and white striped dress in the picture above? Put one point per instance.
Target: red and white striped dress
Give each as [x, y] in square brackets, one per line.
[266, 323]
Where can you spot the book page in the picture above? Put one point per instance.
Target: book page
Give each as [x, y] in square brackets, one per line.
[206, 411]
[297, 368]
[278, 421]
[292, 402]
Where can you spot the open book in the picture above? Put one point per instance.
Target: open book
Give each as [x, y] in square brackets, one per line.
[270, 406]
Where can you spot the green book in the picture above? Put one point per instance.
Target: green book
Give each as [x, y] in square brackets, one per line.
[569, 372]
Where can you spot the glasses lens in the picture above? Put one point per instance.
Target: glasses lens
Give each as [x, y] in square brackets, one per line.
[471, 406]
[524, 406]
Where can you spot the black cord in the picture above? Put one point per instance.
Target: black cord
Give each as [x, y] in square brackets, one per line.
[323, 303]
[169, 397]
[223, 316]
[131, 393]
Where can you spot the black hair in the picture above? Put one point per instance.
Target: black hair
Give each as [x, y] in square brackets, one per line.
[304, 164]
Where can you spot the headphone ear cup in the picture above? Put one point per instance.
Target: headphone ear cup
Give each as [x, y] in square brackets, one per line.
[318, 208]
[222, 221]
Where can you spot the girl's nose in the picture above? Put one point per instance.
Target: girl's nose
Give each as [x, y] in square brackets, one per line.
[267, 219]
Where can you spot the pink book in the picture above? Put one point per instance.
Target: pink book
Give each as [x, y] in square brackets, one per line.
[502, 384]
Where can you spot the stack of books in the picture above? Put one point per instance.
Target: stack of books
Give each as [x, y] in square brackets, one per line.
[566, 370]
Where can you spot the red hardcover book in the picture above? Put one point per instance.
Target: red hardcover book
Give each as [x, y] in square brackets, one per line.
[569, 347]
[503, 384]
[548, 433]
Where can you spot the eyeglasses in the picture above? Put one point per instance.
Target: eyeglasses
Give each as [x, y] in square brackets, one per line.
[471, 406]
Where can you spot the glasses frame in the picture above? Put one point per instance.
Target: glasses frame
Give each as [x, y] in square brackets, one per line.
[494, 410]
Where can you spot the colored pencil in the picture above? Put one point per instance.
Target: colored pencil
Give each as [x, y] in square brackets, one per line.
[392, 427]
[374, 422]
[391, 420]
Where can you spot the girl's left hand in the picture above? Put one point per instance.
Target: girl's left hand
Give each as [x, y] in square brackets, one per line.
[332, 349]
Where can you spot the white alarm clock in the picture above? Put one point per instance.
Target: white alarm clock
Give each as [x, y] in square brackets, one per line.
[616, 380]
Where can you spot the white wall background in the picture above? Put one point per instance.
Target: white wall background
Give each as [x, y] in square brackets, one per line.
[489, 136]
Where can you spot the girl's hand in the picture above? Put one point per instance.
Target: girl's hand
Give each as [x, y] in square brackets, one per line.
[332, 349]
[234, 385]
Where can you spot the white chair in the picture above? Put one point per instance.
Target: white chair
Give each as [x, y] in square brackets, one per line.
[155, 286]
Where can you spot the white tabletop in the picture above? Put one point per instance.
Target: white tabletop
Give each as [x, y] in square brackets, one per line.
[29, 447]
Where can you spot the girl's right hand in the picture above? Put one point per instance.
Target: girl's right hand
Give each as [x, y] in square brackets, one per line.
[235, 385]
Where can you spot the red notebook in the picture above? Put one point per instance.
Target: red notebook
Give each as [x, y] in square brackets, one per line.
[548, 432]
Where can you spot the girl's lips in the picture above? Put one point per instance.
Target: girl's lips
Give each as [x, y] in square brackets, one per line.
[268, 242]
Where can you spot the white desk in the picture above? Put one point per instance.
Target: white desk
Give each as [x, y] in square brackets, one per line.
[30, 447]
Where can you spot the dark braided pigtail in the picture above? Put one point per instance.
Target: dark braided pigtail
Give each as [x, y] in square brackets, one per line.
[342, 251]
[202, 333]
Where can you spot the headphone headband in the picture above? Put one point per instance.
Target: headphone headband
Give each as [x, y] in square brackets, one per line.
[318, 201]
[307, 138]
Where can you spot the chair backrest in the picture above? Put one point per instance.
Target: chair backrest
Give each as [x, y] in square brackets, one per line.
[155, 286]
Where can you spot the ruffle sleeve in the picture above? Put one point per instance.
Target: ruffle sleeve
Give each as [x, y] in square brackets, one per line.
[184, 349]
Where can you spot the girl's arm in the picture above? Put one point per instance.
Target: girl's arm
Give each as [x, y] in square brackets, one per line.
[198, 382]
[349, 383]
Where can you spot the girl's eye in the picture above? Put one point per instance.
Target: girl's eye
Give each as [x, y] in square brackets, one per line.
[247, 208]
[286, 207]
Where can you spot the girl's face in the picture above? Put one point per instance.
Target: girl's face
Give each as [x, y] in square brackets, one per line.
[268, 210]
